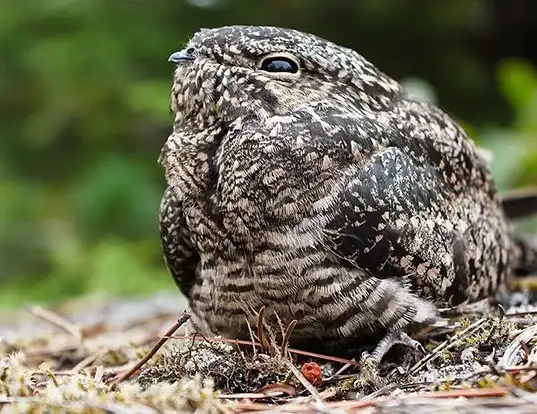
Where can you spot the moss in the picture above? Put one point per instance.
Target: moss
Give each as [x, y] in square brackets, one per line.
[15, 378]
[495, 334]
[230, 369]
[81, 392]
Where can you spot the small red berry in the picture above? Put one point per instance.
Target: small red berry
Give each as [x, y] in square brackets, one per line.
[313, 373]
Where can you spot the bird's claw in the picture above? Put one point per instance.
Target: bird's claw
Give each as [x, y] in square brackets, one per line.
[392, 338]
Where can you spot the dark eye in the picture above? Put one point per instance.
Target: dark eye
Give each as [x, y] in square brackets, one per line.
[279, 64]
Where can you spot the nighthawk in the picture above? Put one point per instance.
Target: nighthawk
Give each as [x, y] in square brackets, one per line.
[304, 180]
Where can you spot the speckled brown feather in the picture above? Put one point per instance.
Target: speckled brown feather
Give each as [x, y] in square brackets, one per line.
[328, 196]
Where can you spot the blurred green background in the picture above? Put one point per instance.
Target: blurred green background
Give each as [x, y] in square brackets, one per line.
[84, 94]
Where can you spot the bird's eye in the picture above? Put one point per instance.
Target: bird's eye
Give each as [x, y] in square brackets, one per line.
[279, 64]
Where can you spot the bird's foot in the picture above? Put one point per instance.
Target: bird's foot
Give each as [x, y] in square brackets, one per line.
[369, 372]
[393, 338]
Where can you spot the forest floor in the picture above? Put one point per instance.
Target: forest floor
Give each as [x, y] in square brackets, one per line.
[86, 356]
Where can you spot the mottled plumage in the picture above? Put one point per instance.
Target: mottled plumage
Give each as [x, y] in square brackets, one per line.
[327, 195]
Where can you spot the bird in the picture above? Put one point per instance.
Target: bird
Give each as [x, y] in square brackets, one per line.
[303, 180]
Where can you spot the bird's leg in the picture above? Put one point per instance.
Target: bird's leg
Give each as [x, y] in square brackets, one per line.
[390, 339]
[369, 372]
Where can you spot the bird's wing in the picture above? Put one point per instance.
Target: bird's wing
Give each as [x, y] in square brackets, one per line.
[179, 254]
[395, 217]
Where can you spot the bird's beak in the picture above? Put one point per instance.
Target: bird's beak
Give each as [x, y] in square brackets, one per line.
[181, 56]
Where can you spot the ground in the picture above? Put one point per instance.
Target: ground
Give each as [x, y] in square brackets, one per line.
[78, 357]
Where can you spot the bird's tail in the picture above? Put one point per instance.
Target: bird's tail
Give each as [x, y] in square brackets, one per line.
[520, 203]
[526, 257]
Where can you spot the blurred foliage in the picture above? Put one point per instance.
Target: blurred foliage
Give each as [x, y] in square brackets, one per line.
[515, 145]
[84, 91]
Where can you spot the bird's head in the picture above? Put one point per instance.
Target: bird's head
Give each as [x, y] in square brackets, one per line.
[234, 71]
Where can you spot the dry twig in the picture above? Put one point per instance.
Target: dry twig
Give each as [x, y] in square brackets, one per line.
[58, 321]
[258, 345]
[286, 336]
[180, 322]
[451, 342]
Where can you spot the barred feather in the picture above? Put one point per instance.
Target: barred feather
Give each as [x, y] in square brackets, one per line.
[328, 196]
